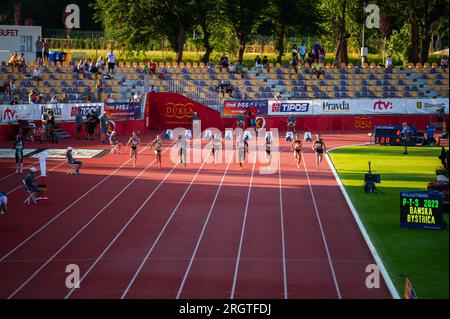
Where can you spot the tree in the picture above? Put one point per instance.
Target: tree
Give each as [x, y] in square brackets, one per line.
[245, 16]
[290, 15]
[432, 11]
[206, 13]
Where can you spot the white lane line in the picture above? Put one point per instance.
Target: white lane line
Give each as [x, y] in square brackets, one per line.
[137, 212]
[362, 229]
[79, 232]
[136, 274]
[322, 232]
[65, 210]
[186, 274]
[12, 174]
[21, 186]
[238, 258]
[283, 246]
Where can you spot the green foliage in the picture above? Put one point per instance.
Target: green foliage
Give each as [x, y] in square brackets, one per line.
[397, 44]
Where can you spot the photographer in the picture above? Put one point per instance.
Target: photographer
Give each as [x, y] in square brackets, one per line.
[406, 136]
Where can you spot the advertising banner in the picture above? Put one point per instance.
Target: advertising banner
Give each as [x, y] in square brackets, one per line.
[296, 107]
[426, 106]
[232, 108]
[127, 110]
[13, 113]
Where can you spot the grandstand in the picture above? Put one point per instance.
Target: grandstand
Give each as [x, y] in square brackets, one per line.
[199, 82]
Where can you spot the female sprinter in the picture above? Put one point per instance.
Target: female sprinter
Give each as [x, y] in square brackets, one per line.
[182, 144]
[158, 144]
[297, 148]
[268, 145]
[216, 146]
[134, 141]
[319, 149]
[240, 147]
[18, 147]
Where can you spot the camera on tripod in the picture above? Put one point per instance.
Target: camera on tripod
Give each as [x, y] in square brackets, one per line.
[370, 180]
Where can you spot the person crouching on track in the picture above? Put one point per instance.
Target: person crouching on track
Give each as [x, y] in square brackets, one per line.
[182, 144]
[71, 160]
[297, 148]
[3, 203]
[31, 184]
[134, 141]
[158, 144]
[114, 143]
[18, 147]
[319, 149]
[268, 145]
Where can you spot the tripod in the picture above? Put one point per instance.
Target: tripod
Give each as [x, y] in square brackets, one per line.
[369, 182]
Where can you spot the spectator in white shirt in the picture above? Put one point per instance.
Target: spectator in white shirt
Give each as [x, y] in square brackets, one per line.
[111, 62]
[388, 62]
[36, 75]
[54, 99]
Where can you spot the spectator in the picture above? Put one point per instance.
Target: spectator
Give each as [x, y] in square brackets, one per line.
[231, 68]
[100, 64]
[37, 75]
[318, 70]
[311, 57]
[87, 94]
[64, 99]
[294, 52]
[32, 97]
[12, 87]
[93, 68]
[224, 61]
[15, 101]
[444, 63]
[22, 63]
[114, 143]
[79, 123]
[316, 49]
[91, 124]
[322, 54]
[153, 89]
[110, 99]
[99, 90]
[3, 203]
[152, 67]
[146, 69]
[258, 62]
[243, 92]
[388, 63]
[46, 51]
[54, 99]
[14, 60]
[39, 44]
[111, 58]
[303, 49]
[265, 61]
[444, 134]
[103, 127]
[52, 125]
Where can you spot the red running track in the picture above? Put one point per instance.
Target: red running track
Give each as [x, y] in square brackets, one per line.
[200, 231]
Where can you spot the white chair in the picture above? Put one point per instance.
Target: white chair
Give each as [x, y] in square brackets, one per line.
[72, 168]
[31, 195]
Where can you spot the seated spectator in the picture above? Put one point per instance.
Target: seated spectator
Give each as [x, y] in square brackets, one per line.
[258, 62]
[110, 99]
[152, 67]
[72, 161]
[32, 97]
[14, 60]
[64, 99]
[75, 69]
[153, 89]
[444, 63]
[80, 66]
[265, 61]
[87, 94]
[318, 70]
[92, 68]
[11, 89]
[54, 99]
[15, 100]
[31, 184]
[224, 61]
[311, 57]
[145, 69]
[100, 64]
[37, 75]
[22, 64]
[231, 68]
[388, 63]
[99, 90]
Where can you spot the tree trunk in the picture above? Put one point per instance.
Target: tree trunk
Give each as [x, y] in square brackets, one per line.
[242, 43]
[341, 51]
[206, 43]
[280, 43]
[413, 45]
[180, 44]
[426, 37]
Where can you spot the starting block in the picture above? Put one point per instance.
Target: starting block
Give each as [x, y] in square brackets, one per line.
[307, 137]
[269, 135]
[247, 135]
[188, 134]
[207, 135]
[168, 135]
[289, 136]
[228, 135]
